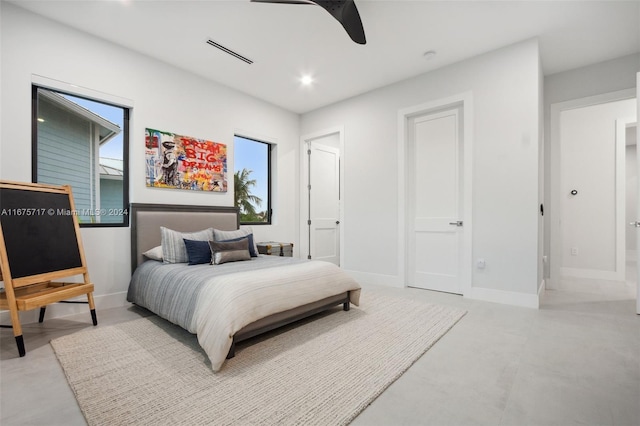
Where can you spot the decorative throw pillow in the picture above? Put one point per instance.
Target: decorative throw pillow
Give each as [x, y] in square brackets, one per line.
[225, 236]
[154, 253]
[223, 252]
[250, 244]
[198, 252]
[173, 248]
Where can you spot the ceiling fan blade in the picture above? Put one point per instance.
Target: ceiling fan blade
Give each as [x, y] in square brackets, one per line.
[344, 11]
[285, 1]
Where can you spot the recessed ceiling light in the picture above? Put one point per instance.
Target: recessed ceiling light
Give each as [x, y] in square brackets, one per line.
[306, 80]
[429, 54]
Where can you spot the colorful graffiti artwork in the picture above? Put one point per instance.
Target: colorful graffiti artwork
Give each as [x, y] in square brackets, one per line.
[182, 162]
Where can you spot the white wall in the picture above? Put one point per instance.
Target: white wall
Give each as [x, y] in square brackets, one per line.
[163, 97]
[588, 165]
[506, 97]
[604, 77]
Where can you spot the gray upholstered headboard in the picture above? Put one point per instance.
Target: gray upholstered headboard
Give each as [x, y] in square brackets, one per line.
[146, 220]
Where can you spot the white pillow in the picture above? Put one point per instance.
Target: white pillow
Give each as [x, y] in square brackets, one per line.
[154, 253]
[173, 248]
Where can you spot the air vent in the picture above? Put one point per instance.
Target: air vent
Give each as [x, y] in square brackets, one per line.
[229, 51]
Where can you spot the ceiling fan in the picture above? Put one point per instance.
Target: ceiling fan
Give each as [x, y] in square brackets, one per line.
[344, 11]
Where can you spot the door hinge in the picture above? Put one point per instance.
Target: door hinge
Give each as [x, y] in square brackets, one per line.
[309, 222]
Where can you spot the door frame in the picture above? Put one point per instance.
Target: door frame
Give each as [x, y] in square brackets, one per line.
[621, 191]
[555, 212]
[638, 159]
[465, 102]
[304, 193]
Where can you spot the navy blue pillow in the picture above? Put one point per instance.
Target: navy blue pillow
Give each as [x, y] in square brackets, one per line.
[252, 247]
[198, 252]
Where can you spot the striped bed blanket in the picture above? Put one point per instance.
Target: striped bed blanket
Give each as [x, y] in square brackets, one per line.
[216, 301]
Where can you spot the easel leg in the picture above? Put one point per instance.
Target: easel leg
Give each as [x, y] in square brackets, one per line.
[17, 330]
[42, 311]
[20, 343]
[92, 307]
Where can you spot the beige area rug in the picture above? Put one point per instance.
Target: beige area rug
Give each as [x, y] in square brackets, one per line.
[323, 372]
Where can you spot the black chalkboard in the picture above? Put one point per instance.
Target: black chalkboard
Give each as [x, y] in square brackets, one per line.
[39, 232]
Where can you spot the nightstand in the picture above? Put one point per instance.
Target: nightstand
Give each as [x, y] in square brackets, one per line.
[273, 248]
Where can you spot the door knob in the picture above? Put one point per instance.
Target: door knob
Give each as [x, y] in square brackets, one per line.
[636, 224]
[459, 223]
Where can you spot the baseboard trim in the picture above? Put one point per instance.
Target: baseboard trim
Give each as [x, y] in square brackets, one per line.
[504, 297]
[477, 293]
[375, 279]
[595, 274]
[60, 310]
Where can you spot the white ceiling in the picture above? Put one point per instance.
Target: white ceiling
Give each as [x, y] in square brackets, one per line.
[286, 41]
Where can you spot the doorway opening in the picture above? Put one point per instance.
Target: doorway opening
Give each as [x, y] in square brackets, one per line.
[589, 229]
[321, 232]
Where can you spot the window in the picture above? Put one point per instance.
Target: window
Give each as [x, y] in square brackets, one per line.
[83, 143]
[252, 180]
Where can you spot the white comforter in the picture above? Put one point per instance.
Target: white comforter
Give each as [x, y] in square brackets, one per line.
[244, 297]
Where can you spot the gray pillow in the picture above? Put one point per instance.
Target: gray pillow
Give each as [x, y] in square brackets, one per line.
[223, 252]
[173, 248]
[234, 235]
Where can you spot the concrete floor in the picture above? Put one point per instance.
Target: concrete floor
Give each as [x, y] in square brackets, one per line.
[575, 361]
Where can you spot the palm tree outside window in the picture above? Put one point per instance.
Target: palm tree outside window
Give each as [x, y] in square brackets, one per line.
[252, 180]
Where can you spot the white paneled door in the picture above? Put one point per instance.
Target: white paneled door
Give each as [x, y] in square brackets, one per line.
[435, 201]
[324, 206]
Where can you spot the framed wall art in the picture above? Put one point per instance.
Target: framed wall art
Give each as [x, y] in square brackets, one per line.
[184, 162]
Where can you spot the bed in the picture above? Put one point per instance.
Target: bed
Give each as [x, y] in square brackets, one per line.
[226, 302]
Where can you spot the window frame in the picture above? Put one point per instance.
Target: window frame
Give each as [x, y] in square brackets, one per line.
[270, 147]
[125, 149]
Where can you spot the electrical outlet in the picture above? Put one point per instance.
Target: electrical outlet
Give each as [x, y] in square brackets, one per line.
[574, 251]
[481, 263]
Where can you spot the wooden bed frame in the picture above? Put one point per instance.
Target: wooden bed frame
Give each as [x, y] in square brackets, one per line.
[146, 220]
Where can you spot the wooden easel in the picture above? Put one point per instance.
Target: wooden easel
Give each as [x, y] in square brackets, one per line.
[39, 242]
